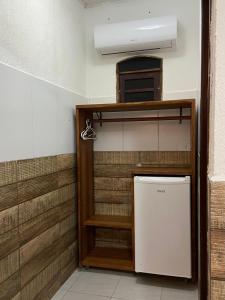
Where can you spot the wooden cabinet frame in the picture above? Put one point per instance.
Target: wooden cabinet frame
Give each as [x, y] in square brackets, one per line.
[111, 258]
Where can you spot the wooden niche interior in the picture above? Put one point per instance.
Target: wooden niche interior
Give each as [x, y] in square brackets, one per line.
[139, 79]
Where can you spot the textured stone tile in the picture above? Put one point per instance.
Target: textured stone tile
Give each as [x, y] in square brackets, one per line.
[131, 158]
[8, 173]
[8, 219]
[46, 257]
[67, 208]
[67, 192]
[9, 242]
[33, 188]
[39, 224]
[50, 289]
[66, 177]
[66, 161]
[37, 206]
[112, 209]
[218, 254]
[118, 238]
[9, 265]
[149, 157]
[67, 224]
[30, 168]
[113, 184]
[37, 284]
[217, 205]
[119, 197]
[10, 287]
[66, 240]
[120, 171]
[31, 269]
[116, 157]
[69, 255]
[39, 243]
[174, 157]
[217, 290]
[8, 196]
[17, 297]
[68, 270]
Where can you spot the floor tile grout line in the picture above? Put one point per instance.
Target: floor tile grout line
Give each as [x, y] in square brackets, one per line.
[120, 277]
[90, 294]
[87, 293]
[161, 294]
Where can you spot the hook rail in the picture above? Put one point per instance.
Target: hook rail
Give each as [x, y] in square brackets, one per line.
[144, 119]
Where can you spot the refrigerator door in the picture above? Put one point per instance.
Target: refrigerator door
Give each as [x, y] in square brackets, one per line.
[163, 225]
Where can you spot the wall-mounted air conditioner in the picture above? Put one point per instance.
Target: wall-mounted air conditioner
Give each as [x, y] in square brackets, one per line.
[146, 34]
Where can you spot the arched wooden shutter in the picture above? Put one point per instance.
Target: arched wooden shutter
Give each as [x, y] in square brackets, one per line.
[139, 79]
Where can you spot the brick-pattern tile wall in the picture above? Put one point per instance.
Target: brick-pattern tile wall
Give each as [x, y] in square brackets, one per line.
[113, 186]
[38, 235]
[217, 240]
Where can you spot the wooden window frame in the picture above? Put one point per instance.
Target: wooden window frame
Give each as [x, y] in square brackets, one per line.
[138, 74]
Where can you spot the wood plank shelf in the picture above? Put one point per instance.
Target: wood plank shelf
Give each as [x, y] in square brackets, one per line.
[179, 171]
[109, 222]
[110, 258]
[137, 106]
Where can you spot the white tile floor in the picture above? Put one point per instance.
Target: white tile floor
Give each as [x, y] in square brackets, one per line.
[94, 284]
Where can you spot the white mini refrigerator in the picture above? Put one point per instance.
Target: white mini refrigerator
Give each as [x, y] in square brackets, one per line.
[162, 210]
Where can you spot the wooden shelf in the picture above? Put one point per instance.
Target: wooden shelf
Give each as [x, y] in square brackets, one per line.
[137, 106]
[179, 171]
[110, 258]
[110, 222]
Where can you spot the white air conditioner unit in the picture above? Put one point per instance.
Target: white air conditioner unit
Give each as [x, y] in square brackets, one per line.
[146, 34]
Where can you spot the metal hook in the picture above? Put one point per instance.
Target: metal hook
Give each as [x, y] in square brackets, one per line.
[181, 114]
[88, 124]
[99, 116]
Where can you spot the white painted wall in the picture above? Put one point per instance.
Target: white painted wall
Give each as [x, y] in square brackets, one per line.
[36, 117]
[45, 38]
[181, 74]
[143, 136]
[44, 51]
[42, 76]
[181, 68]
[217, 106]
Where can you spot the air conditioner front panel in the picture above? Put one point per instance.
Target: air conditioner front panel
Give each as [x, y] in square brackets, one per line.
[136, 35]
